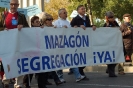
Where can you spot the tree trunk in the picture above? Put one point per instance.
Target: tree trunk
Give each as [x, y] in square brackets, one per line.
[90, 12]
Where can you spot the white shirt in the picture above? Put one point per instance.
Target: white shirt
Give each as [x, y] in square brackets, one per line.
[61, 22]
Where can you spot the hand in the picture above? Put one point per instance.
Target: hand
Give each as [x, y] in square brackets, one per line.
[65, 26]
[55, 26]
[20, 27]
[82, 26]
[42, 26]
[107, 24]
[94, 28]
[128, 32]
[75, 26]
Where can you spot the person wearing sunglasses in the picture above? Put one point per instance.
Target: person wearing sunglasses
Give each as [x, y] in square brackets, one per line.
[110, 22]
[63, 23]
[41, 77]
[47, 20]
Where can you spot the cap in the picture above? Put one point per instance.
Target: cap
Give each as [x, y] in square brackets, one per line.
[126, 15]
[109, 14]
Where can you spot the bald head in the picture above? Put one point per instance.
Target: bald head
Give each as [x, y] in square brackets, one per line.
[14, 1]
[14, 5]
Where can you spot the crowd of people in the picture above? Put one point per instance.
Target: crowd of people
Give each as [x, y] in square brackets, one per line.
[13, 19]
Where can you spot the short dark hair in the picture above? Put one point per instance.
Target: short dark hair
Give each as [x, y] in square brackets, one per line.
[33, 19]
[79, 7]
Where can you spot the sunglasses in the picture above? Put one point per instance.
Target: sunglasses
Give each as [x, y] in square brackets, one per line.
[50, 19]
[14, 4]
[65, 13]
[111, 17]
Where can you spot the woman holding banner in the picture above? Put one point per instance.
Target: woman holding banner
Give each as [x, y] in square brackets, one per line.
[42, 78]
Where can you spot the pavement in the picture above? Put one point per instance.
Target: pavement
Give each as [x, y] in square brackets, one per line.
[97, 80]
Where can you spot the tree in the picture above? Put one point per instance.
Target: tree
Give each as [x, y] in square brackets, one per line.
[119, 7]
[52, 6]
[74, 4]
[1, 9]
[97, 7]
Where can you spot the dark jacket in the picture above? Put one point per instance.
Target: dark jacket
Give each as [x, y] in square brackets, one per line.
[111, 24]
[77, 21]
[21, 21]
[127, 38]
[115, 24]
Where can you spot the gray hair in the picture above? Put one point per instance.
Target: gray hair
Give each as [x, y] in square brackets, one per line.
[109, 13]
[60, 10]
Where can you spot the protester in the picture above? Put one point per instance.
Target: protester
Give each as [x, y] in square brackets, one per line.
[81, 21]
[110, 22]
[41, 77]
[13, 19]
[47, 20]
[1, 66]
[127, 33]
[63, 23]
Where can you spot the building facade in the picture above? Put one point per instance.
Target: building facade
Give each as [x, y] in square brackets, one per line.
[26, 3]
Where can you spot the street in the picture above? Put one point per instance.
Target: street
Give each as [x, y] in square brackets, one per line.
[97, 80]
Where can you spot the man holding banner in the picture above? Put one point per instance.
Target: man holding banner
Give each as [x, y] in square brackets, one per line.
[110, 22]
[62, 22]
[81, 21]
[14, 19]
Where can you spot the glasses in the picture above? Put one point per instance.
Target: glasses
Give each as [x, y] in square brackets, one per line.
[82, 8]
[111, 17]
[49, 19]
[65, 13]
[15, 4]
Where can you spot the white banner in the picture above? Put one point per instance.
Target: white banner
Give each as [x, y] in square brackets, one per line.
[33, 10]
[34, 50]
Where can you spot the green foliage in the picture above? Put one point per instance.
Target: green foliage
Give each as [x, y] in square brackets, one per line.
[119, 7]
[52, 7]
[98, 7]
[74, 4]
[98, 22]
[1, 9]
